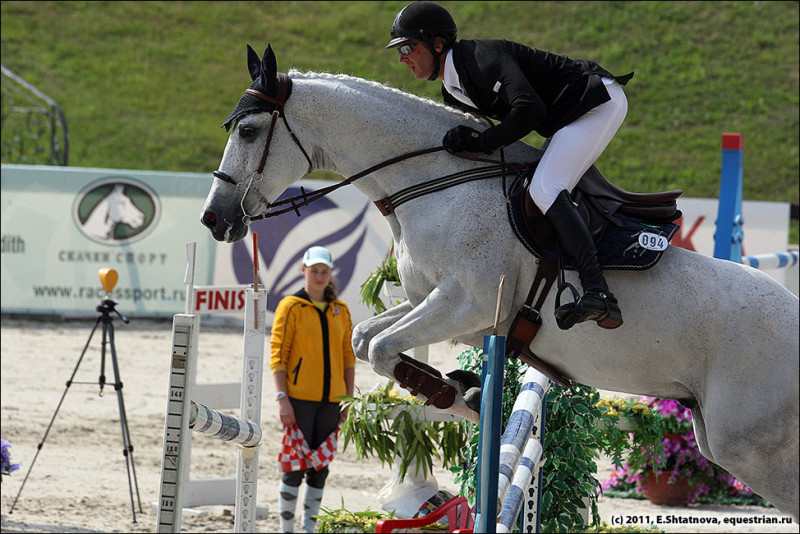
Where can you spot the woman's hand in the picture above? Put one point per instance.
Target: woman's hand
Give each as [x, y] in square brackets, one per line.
[286, 412]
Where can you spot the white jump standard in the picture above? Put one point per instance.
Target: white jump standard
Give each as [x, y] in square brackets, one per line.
[184, 414]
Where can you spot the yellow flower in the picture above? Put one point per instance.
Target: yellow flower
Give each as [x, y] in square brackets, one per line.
[612, 412]
[640, 407]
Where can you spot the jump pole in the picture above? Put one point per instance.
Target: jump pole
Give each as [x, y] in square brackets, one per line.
[494, 349]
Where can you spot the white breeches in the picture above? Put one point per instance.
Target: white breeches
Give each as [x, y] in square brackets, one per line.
[576, 146]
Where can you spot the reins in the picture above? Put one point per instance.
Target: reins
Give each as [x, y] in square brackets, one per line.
[385, 205]
[319, 193]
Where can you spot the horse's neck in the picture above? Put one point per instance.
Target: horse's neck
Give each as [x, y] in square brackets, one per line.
[364, 124]
[100, 216]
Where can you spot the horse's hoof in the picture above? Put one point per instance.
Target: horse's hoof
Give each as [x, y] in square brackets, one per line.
[473, 399]
[466, 379]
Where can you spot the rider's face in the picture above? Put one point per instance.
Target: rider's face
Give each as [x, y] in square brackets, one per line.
[420, 60]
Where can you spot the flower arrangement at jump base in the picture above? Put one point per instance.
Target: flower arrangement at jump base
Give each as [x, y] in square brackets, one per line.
[677, 460]
[386, 425]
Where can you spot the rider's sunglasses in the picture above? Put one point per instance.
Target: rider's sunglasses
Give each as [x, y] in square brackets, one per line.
[406, 48]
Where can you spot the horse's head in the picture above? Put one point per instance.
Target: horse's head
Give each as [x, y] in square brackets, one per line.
[261, 160]
[121, 208]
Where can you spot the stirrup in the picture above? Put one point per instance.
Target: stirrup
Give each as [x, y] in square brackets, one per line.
[575, 312]
[566, 315]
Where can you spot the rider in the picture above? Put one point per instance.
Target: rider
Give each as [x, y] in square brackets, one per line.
[577, 104]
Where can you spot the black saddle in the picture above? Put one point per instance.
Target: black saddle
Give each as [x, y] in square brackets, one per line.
[616, 219]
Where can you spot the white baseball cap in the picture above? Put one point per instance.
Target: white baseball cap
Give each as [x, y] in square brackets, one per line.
[316, 255]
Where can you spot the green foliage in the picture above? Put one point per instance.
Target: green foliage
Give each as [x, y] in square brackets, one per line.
[146, 85]
[677, 458]
[569, 468]
[403, 438]
[371, 288]
[629, 431]
[332, 521]
[605, 527]
[570, 448]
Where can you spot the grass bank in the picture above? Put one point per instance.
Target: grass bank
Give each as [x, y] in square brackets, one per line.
[146, 85]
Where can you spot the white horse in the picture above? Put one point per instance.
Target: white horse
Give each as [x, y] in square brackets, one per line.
[718, 336]
[116, 208]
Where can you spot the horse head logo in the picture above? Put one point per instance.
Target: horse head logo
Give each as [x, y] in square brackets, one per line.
[116, 210]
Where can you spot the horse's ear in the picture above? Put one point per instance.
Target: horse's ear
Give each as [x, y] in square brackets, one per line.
[269, 66]
[253, 63]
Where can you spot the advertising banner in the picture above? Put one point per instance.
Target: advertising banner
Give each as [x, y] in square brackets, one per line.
[60, 225]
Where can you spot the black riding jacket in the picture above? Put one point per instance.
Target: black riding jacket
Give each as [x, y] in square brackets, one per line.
[525, 88]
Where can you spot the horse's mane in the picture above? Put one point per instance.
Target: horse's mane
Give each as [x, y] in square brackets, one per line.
[293, 73]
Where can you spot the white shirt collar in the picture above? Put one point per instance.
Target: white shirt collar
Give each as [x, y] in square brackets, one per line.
[451, 81]
[451, 78]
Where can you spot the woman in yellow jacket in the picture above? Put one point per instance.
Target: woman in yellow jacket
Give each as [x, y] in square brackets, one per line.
[312, 365]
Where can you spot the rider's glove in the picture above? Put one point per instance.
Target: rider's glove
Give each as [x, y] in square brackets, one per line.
[463, 139]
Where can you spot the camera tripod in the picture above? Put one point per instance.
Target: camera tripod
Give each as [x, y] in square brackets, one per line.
[106, 308]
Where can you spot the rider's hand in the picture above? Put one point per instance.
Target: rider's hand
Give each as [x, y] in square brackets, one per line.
[463, 139]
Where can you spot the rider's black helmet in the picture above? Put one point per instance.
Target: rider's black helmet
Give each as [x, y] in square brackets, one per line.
[423, 21]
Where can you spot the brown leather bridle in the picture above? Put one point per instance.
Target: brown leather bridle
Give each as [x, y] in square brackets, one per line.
[298, 201]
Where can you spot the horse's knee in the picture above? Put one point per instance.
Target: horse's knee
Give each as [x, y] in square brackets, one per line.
[382, 358]
[360, 342]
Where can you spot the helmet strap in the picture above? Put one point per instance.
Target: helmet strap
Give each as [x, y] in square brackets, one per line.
[437, 58]
[437, 62]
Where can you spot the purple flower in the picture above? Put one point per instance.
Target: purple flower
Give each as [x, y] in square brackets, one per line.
[6, 466]
[681, 459]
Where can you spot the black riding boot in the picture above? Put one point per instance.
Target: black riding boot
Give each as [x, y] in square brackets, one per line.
[598, 303]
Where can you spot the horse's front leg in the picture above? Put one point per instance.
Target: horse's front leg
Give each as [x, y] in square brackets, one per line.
[446, 313]
[364, 331]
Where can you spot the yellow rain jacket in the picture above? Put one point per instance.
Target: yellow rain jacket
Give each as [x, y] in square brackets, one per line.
[314, 348]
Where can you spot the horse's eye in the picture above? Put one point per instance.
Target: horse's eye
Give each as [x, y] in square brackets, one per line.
[247, 132]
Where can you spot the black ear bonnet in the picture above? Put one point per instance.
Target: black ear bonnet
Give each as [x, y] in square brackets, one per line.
[264, 73]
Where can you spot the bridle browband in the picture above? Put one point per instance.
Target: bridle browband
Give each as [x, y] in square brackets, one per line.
[284, 86]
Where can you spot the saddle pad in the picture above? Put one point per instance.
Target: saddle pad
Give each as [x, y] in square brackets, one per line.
[634, 245]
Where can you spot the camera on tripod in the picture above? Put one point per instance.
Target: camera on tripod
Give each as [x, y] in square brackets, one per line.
[108, 278]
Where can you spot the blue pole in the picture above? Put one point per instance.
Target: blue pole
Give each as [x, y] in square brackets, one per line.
[729, 235]
[489, 433]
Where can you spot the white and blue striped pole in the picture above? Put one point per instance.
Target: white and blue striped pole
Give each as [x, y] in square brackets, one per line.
[521, 449]
[776, 260]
